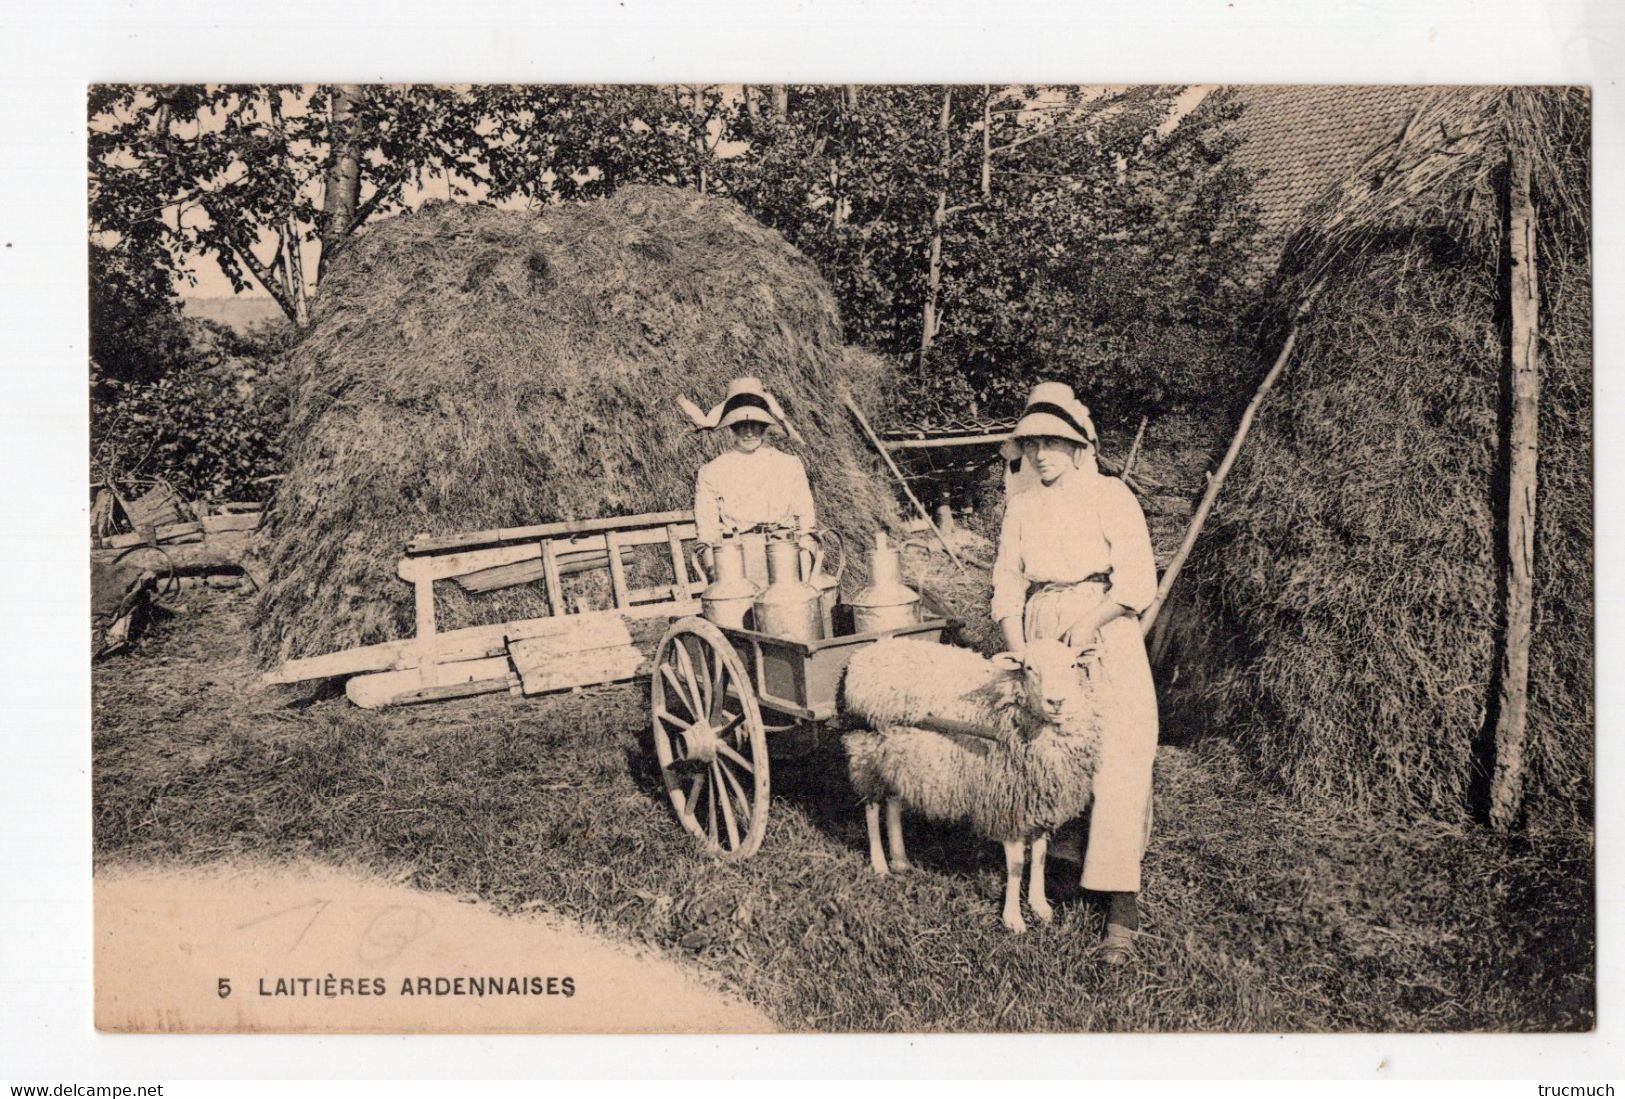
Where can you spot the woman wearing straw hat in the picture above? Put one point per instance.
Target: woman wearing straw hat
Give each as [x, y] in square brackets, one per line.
[1075, 563]
[753, 484]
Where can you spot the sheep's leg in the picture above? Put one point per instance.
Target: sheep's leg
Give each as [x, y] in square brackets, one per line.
[1015, 854]
[894, 835]
[1035, 883]
[871, 817]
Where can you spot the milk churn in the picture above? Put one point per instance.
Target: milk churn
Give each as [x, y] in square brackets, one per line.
[753, 543]
[731, 594]
[828, 583]
[789, 606]
[887, 603]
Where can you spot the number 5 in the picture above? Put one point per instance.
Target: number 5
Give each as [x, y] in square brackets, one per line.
[224, 988]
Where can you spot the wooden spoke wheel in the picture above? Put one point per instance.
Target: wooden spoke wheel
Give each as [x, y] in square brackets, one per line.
[709, 739]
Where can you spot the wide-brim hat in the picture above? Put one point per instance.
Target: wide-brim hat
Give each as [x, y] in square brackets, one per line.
[746, 402]
[1053, 411]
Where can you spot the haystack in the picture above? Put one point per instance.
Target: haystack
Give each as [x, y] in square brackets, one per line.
[1346, 596]
[471, 368]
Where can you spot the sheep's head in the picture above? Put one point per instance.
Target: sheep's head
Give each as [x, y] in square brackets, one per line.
[1049, 686]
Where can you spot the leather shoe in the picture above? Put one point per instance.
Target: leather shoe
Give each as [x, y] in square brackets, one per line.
[1119, 944]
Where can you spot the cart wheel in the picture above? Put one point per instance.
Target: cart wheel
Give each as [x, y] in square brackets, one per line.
[709, 739]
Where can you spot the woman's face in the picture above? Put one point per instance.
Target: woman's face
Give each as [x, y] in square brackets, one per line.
[1053, 458]
[748, 436]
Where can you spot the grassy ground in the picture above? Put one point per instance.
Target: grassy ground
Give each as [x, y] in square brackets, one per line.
[1260, 916]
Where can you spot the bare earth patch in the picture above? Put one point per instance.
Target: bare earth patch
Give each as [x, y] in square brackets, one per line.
[298, 944]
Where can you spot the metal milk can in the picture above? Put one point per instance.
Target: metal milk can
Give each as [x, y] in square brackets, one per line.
[827, 583]
[753, 544]
[887, 603]
[788, 608]
[731, 594]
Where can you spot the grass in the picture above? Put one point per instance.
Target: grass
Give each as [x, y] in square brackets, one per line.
[1261, 916]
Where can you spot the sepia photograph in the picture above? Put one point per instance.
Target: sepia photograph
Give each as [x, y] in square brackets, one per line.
[841, 558]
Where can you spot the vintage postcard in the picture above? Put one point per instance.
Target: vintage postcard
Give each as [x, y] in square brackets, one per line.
[842, 558]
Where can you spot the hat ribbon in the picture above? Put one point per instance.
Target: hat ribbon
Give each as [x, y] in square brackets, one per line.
[1060, 414]
[707, 421]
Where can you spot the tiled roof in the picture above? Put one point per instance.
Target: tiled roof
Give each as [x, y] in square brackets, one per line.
[1304, 139]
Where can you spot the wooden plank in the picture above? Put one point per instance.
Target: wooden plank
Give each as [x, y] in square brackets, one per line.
[617, 567]
[574, 554]
[555, 583]
[454, 690]
[169, 532]
[502, 576]
[640, 597]
[444, 566]
[424, 544]
[526, 572]
[423, 594]
[189, 531]
[391, 688]
[606, 665]
[679, 563]
[584, 633]
[467, 643]
[509, 566]
[219, 524]
[365, 658]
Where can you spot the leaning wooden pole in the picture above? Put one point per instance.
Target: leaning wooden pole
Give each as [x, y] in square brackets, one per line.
[885, 455]
[1523, 355]
[1149, 619]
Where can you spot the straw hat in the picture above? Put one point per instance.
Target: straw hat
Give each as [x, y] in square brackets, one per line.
[1053, 411]
[746, 402]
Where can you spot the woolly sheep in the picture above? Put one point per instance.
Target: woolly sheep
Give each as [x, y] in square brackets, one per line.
[1029, 770]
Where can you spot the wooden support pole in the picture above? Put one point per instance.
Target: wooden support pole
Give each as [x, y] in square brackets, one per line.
[1134, 448]
[1523, 364]
[880, 448]
[1149, 619]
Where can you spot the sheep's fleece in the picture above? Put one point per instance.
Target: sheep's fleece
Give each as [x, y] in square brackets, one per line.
[1012, 788]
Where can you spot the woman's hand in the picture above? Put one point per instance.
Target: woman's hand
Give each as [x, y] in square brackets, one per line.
[1010, 626]
[1086, 631]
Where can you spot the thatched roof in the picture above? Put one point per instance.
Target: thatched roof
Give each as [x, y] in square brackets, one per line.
[1347, 593]
[471, 368]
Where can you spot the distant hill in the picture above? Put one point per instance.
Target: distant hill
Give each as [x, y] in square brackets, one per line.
[239, 313]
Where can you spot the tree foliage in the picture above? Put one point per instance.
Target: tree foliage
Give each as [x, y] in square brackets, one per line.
[210, 421]
[981, 237]
[235, 172]
[1081, 240]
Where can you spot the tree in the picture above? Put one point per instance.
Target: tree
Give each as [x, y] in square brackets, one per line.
[985, 237]
[254, 176]
[549, 143]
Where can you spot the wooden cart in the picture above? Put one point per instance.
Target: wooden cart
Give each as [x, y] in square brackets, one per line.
[717, 694]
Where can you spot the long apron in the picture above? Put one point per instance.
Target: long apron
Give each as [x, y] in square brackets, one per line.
[1120, 817]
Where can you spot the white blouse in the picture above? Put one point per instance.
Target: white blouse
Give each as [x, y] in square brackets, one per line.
[736, 491]
[1086, 523]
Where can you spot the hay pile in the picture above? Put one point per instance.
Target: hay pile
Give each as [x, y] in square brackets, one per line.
[1346, 596]
[473, 368]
